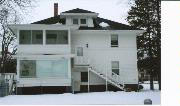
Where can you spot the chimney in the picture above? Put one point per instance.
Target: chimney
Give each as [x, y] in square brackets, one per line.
[55, 9]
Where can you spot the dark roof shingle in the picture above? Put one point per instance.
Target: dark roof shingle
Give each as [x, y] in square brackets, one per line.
[112, 24]
[77, 10]
[51, 20]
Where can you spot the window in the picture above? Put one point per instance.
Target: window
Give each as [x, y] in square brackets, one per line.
[52, 68]
[114, 40]
[31, 37]
[84, 76]
[56, 37]
[83, 21]
[25, 37]
[27, 68]
[115, 67]
[37, 37]
[79, 51]
[43, 68]
[75, 21]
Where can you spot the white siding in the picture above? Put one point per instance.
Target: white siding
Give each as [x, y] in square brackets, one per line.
[44, 49]
[100, 52]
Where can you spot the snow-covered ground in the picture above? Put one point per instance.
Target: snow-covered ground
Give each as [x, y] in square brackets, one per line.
[119, 97]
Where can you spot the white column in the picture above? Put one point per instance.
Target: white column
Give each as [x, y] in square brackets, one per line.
[18, 37]
[69, 39]
[106, 80]
[18, 71]
[88, 79]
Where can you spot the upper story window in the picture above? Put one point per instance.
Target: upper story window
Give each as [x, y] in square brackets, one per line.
[83, 21]
[31, 37]
[56, 37]
[114, 40]
[75, 21]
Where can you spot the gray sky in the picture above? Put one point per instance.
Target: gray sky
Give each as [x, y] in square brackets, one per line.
[115, 10]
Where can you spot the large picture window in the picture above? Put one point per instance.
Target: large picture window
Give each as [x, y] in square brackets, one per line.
[115, 67]
[31, 37]
[49, 68]
[43, 68]
[56, 37]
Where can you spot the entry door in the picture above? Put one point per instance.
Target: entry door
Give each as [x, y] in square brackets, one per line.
[79, 58]
[79, 51]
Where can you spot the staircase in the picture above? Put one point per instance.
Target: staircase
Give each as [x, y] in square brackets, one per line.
[115, 80]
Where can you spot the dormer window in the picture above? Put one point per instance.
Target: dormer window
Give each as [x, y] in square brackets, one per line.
[75, 21]
[83, 21]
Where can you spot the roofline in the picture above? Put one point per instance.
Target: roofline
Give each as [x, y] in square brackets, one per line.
[138, 32]
[41, 26]
[79, 14]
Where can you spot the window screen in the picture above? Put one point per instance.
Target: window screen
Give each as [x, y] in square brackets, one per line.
[25, 37]
[56, 37]
[37, 37]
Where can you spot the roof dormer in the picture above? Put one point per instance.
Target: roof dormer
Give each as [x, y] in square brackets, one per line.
[79, 17]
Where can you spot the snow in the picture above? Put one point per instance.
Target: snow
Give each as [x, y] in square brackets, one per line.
[120, 97]
[103, 24]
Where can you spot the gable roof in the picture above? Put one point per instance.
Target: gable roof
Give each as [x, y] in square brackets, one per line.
[77, 10]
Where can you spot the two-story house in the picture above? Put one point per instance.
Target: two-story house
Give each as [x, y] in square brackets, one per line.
[76, 51]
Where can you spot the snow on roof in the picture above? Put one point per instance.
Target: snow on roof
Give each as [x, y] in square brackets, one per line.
[103, 24]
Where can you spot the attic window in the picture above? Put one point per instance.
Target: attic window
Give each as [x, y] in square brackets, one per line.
[75, 21]
[83, 21]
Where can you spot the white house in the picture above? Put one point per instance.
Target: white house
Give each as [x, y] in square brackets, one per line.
[76, 51]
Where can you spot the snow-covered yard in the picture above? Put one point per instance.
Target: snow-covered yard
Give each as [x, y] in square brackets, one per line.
[119, 97]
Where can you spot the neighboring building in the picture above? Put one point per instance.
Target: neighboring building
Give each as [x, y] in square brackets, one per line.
[76, 51]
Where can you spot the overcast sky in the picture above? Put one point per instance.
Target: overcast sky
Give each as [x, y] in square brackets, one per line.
[115, 10]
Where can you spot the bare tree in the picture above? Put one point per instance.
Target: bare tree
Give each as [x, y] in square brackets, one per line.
[11, 12]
